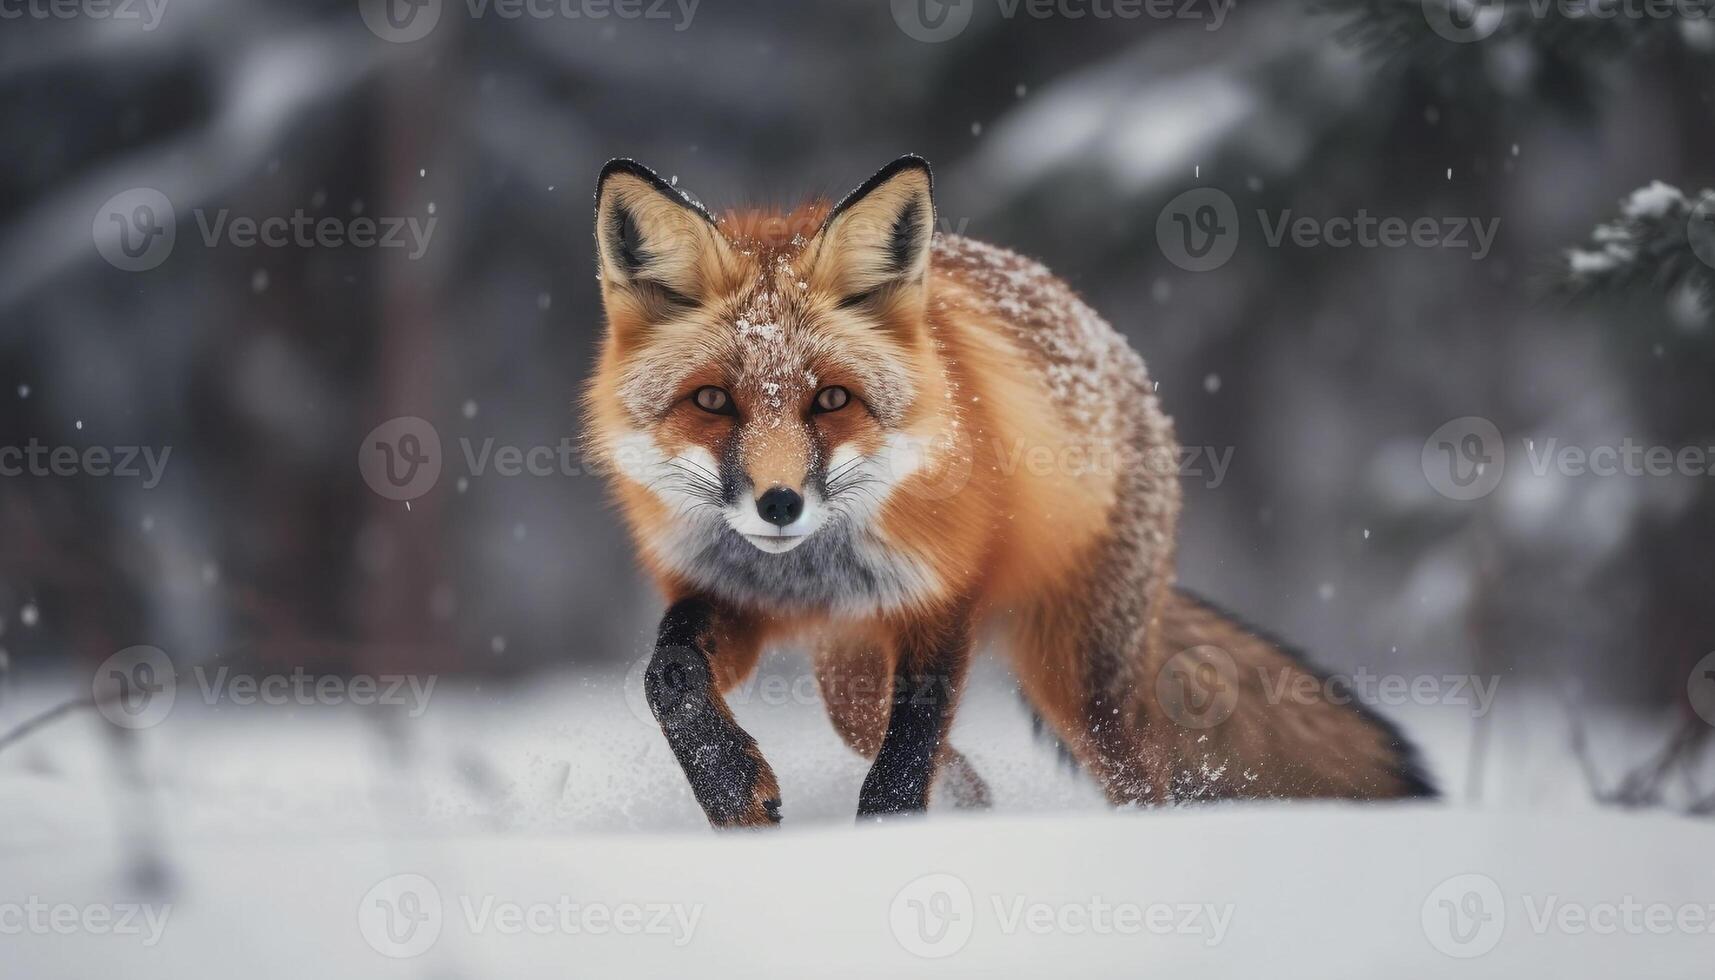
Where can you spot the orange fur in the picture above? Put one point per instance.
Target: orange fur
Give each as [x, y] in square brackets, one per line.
[1010, 381]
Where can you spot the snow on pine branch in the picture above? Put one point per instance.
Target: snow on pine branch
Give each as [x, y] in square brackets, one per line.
[1431, 33]
[1663, 242]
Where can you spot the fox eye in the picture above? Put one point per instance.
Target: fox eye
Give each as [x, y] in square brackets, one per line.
[832, 399]
[712, 399]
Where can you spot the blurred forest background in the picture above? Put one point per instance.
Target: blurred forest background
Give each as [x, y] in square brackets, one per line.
[1324, 370]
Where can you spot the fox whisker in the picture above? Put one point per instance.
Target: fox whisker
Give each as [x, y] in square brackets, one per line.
[693, 466]
[842, 469]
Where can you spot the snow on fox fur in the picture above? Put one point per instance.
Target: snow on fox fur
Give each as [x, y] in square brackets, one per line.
[835, 426]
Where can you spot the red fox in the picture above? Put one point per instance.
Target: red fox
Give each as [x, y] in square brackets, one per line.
[834, 425]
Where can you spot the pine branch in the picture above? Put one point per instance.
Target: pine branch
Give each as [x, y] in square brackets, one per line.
[1432, 33]
[42, 720]
[1662, 243]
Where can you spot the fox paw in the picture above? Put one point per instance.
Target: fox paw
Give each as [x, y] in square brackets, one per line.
[736, 786]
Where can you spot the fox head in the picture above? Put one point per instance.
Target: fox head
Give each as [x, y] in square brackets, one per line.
[762, 377]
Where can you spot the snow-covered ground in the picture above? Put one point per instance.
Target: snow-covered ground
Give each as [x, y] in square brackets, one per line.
[543, 829]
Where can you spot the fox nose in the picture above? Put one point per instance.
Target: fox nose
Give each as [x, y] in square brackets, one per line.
[780, 506]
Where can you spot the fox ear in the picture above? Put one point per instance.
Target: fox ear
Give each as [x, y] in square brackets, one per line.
[653, 243]
[879, 235]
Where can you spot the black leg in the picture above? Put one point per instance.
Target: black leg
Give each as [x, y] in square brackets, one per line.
[925, 690]
[727, 773]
